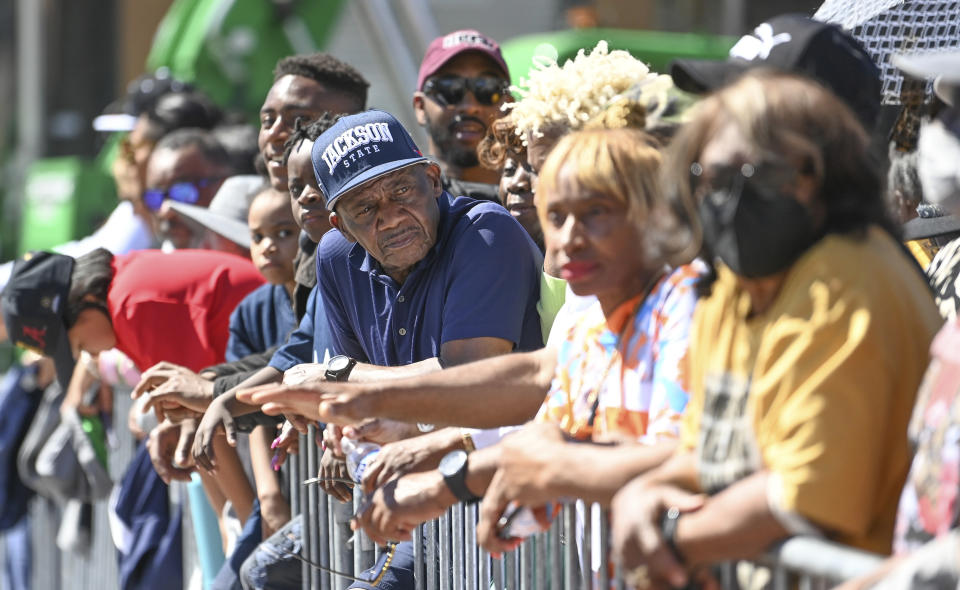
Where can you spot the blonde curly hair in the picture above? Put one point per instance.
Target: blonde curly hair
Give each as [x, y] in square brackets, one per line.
[583, 89]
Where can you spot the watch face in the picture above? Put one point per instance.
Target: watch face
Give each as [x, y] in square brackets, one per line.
[453, 462]
[338, 363]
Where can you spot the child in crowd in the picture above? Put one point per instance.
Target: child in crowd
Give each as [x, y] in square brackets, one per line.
[265, 317]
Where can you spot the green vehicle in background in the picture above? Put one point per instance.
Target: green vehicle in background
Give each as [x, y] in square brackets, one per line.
[228, 49]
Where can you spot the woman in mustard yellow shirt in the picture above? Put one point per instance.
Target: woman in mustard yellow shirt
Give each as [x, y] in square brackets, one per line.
[806, 356]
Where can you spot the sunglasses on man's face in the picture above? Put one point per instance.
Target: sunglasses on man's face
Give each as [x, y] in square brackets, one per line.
[181, 192]
[450, 90]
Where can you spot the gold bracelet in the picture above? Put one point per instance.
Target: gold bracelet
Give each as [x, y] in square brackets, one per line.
[468, 445]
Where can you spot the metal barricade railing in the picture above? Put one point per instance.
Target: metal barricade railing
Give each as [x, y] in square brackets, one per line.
[447, 556]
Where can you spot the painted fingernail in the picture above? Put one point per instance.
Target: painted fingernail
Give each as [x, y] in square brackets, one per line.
[275, 443]
[275, 463]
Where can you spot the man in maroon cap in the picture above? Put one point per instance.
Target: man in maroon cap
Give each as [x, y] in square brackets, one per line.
[463, 80]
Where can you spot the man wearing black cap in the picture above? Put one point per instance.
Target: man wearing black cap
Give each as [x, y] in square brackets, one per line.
[800, 45]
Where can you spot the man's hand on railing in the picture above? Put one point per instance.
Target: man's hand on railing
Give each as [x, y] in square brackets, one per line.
[380, 431]
[637, 541]
[394, 510]
[332, 469]
[168, 387]
[273, 399]
[169, 449]
[407, 456]
[305, 373]
[330, 402]
[216, 418]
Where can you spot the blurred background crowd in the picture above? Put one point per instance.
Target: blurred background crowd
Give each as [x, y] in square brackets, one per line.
[694, 264]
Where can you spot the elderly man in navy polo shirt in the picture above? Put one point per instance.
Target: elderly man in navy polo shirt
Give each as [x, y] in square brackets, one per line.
[414, 277]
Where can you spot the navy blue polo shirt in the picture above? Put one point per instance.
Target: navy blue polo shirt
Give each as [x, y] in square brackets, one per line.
[262, 320]
[310, 342]
[481, 279]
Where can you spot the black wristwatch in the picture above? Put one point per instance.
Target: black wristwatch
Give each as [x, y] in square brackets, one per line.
[668, 528]
[339, 367]
[453, 468]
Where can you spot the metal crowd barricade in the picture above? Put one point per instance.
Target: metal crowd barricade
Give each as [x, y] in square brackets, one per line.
[447, 556]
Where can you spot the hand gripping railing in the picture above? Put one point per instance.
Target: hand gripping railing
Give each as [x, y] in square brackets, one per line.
[447, 556]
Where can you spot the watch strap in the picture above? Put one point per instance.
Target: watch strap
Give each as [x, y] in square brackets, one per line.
[457, 483]
[343, 374]
[668, 528]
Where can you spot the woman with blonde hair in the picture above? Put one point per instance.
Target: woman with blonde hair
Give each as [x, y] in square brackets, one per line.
[806, 356]
[599, 89]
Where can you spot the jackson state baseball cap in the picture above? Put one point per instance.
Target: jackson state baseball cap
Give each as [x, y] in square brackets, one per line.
[443, 49]
[34, 303]
[797, 44]
[360, 148]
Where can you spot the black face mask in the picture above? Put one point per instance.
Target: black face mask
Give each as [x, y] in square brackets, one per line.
[754, 230]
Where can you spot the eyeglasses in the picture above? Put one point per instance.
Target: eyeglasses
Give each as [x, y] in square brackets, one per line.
[450, 90]
[181, 192]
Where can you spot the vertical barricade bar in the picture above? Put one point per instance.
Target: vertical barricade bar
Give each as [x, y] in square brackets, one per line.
[336, 543]
[510, 564]
[458, 536]
[605, 560]
[485, 574]
[556, 557]
[586, 566]
[296, 478]
[726, 574]
[541, 561]
[323, 512]
[471, 564]
[343, 511]
[780, 581]
[526, 563]
[432, 553]
[311, 538]
[418, 559]
[569, 549]
[357, 540]
[444, 568]
[497, 568]
[298, 500]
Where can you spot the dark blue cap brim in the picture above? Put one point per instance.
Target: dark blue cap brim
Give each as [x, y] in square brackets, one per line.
[373, 174]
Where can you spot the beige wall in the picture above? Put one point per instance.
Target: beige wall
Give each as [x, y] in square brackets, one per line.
[137, 20]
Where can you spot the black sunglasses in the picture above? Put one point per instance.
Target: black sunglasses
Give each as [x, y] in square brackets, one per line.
[450, 90]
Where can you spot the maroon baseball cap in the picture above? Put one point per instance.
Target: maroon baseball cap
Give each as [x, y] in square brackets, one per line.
[443, 49]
